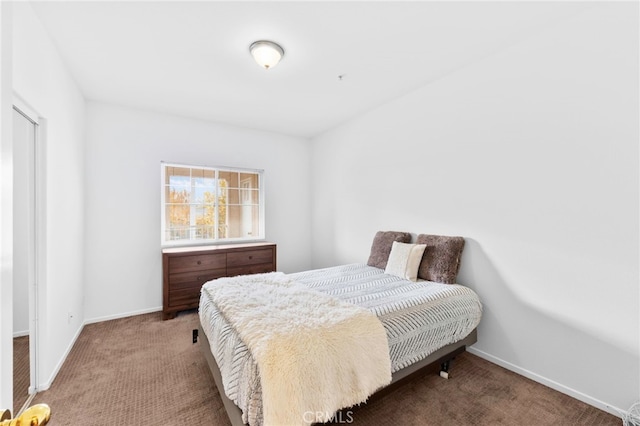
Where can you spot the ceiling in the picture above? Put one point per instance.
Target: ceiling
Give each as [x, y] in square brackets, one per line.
[192, 58]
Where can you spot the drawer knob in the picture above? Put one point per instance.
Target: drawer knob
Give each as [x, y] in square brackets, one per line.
[199, 262]
[250, 257]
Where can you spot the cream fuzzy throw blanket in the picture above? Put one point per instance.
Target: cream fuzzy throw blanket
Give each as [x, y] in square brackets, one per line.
[316, 354]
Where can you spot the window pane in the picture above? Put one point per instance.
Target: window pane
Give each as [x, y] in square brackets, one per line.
[234, 196]
[205, 232]
[249, 196]
[231, 178]
[244, 196]
[203, 173]
[177, 234]
[177, 222]
[205, 215]
[243, 221]
[204, 196]
[200, 182]
[255, 221]
[175, 174]
[249, 180]
[177, 215]
[178, 195]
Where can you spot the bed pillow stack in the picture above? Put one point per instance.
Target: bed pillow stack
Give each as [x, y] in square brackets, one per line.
[439, 263]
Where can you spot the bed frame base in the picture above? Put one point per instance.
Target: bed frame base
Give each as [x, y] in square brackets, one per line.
[440, 360]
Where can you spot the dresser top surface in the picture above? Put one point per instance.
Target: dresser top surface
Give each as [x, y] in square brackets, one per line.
[196, 249]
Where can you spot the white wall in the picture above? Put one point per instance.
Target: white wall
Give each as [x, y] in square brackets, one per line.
[122, 234]
[532, 155]
[41, 79]
[6, 208]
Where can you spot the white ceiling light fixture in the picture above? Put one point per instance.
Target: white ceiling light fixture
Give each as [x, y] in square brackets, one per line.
[266, 53]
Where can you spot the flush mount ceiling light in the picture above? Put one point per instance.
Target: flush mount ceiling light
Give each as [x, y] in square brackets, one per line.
[266, 53]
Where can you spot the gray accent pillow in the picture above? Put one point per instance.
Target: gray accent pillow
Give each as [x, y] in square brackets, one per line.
[441, 259]
[381, 247]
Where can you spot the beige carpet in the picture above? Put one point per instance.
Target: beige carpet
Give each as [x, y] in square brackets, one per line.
[21, 374]
[145, 371]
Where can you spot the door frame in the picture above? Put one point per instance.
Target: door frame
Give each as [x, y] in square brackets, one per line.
[37, 246]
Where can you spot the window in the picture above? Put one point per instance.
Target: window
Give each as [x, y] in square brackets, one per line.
[211, 204]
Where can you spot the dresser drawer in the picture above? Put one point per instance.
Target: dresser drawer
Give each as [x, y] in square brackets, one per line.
[185, 296]
[194, 279]
[250, 269]
[249, 257]
[200, 262]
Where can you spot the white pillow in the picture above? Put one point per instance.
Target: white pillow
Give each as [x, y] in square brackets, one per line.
[404, 260]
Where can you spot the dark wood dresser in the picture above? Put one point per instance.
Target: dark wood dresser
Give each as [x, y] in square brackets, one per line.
[186, 269]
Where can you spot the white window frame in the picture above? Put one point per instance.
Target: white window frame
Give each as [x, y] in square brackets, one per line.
[210, 241]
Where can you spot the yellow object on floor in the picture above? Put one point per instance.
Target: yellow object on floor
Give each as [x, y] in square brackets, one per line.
[36, 415]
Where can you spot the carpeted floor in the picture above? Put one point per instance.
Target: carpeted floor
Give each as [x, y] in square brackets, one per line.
[21, 374]
[145, 371]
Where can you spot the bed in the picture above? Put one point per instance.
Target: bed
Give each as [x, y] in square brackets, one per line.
[425, 322]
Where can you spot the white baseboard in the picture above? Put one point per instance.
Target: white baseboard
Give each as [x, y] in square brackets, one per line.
[46, 385]
[549, 383]
[123, 315]
[20, 333]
